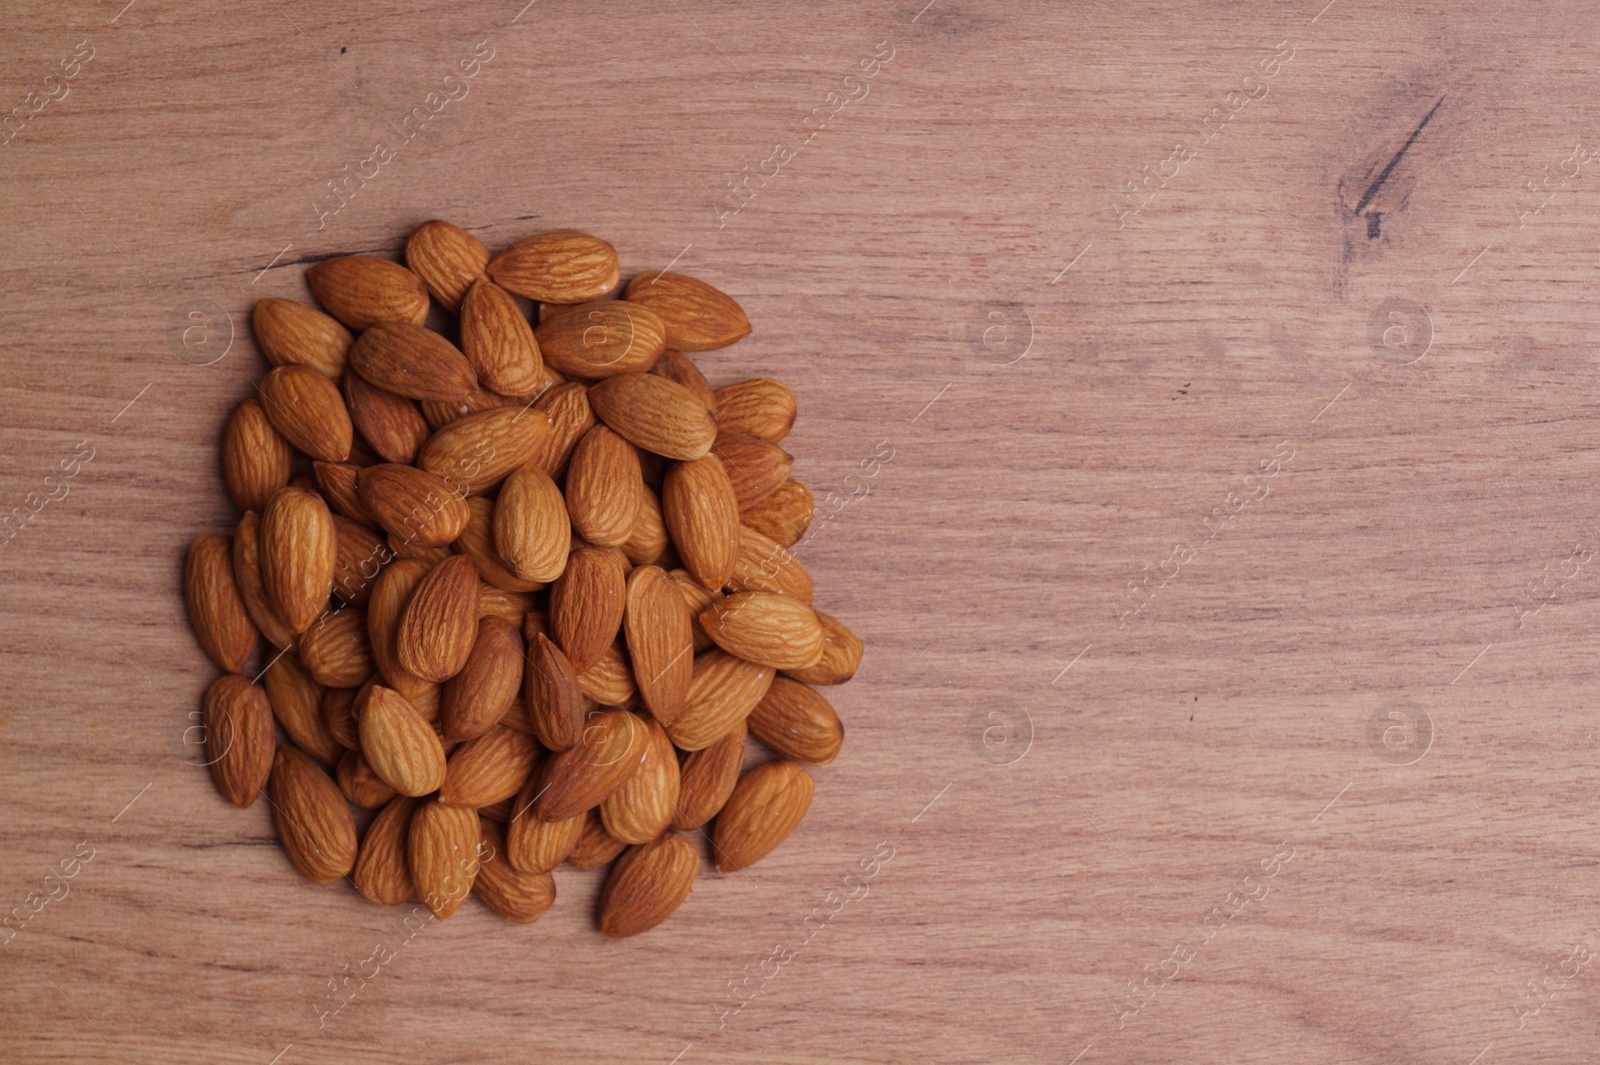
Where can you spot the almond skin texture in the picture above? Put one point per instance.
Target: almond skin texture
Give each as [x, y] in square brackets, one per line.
[442, 852]
[339, 485]
[706, 779]
[478, 696]
[238, 728]
[255, 458]
[216, 609]
[313, 822]
[678, 367]
[587, 604]
[360, 555]
[411, 361]
[638, 811]
[392, 424]
[798, 723]
[702, 514]
[649, 541]
[532, 530]
[698, 597]
[441, 413]
[535, 846]
[556, 708]
[756, 467]
[440, 623]
[655, 413]
[489, 769]
[841, 655]
[308, 411]
[697, 317]
[766, 805]
[660, 634]
[298, 551]
[609, 681]
[763, 408]
[477, 451]
[783, 515]
[477, 540]
[764, 565]
[338, 714]
[571, 418]
[561, 267]
[602, 489]
[336, 650]
[519, 897]
[363, 290]
[610, 750]
[400, 746]
[296, 700]
[499, 342]
[775, 630]
[723, 693]
[381, 874]
[448, 259]
[412, 505]
[359, 783]
[291, 332]
[390, 594]
[601, 339]
[646, 885]
[595, 846]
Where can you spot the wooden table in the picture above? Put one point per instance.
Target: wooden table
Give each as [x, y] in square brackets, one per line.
[1229, 572]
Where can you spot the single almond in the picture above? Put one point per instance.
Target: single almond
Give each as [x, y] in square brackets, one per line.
[411, 549]
[476, 452]
[308, 411]
[498, 603]
[649, 542]
[298, 551]
[363, 290]
[489, 769]
[390, 594]
[678, 367]
[440, 623]
[841, 655]
[381, 874]
[519, 897]
[448, 259]
[595, 846]
[706, 779]
[609, 681]
[697, 316]
[536, 846]
[338, 714]
[255, 458]
[602, 488]
[587, 603]
[571, 418]
[360, 784]
[477, 539]
[478, 696]
[798, 723]
[762, 407]
[766, 805]
[336, 649]
[497, 339]
[238, 734]
[499, 813]
[721, 696]
[561, 267]
[610, 750]
[648, 883]
[642, 807]
[602, 338]
[756, 467]
[313, 822]
[360, 555]
[296, 700]
[556, 708]
[660, 633]
[411, 361]
[783, 514]
[400, 746]
[655, 413]
[392, 424]
[532, 531]
[413, 505]
[698, 596]
[339, 485]
[702, 514]
[775, 630]
[216, 608]
[764, 565]
[290, 332]
[442, 851]
[441, 413]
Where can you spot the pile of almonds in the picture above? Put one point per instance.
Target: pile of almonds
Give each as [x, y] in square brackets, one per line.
[528, 595]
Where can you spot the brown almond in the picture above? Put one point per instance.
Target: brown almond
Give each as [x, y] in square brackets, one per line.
[775, 630]
[400, 746]
[313, 822]
[477, 540]
[499, 813]
[602, 490]
[571, 418]
[363, 290]
[238, 732]
[766, 805]
[477, 451]
[413, 505]
[497, 339]
[448, 259]
[498, 603]
[678, 367]
[519, 897]
[798, 723]
[642, 807]
[697, 317]
[410, 549]
[532, 531]
[440, 623]
[609, 681]
[762, 407]
[298, 551]
[764, 565]
[381, 874]
[441, 413]
[296, 700]
[841, 655]
[247, 578]
[255, 459]
[390, 594]
[359, 557]
[646, 885]
[783, 514]
[660, 634]
[411, 361]
[338, 714]
[602, 338]
[442, 850]
[609, 751]
[339, 485]
[392, 424]
[595, 846]
[359, 784]
[536, 846]
[721, 696]
[216, 609]
[756, 467]
[489, 769]
[698, 597]
[706, 779]
[308, 411]
[293, 333]
[649, 541]
[586, 605]
[478, 696]
[556, 708]
[336, 649]
[654, 413]
[701, 512]
[560, 267]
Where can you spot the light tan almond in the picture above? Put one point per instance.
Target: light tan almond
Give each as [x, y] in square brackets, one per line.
[762, 407]
[775, 630]
[556, 707]
[400, 746]
[308, 411]
[477, 540]
[647, 885]
[532, 532]
[766, 805]
[706, 779]
[359, 784]
[338, 714]
[390, 595]
[722, 694]
[440, 623]
[586, 605]
[216, 608]
[657, 414]
[783, 514]
[411, 361]
[290, 332]
[571, 418]
[489, 769]
[595, 846]
[697, 316]
[448, 259]
[336, 649]
[642, 807]
[497, 339]
[536, 846]
[764, 565]
[313, 822]
[602, 338]
[676, 366]
[477, 451]
[442, 850]
[296, 700]
[841, 655]
[798, 723]
[519, 897]
[381, 874]
[609, 681]
[363, 290]
[602, 488]
[298, 550]
[756, 467]
[610, 750]
[702, 514]
[255, 458]
[359, 557]
[238, 733]
[392, 424]
[412, 505]
[561, 267]
[660, 633]
[477, 697]
[649, 541]
[339, 485]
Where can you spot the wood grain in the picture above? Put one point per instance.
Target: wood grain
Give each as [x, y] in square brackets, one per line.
[1114, 665]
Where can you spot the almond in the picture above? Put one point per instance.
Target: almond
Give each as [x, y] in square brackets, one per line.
[698, 597]
[762, 407]
[841, 655]
[442, 851]
[756, 467]
[532, 532]
[536, 846]
[307, 410]
[586, 605]
[775, 630]
[697, 316]
[477, 451]
[338, 706]
[499, 812]
[363, 290]
[649, 541]
[298, 550]
[498, 603]
[392, 424]
[293, 333]
[609, 681]
[413, 505]
[313, 822]
[478, 696]
[216, 608]
[296, 700]
[798, 723]
[766, 805]
[359, 784]
[400, 746]
[440, 623]
[610, 750]
[255, 459]
[238, 731]
[595, 846]
[339, 485]
[381, 874]
[448, 259]
[655, 413]
[722, 694]
[359, 557]
[410, 549]
[499, 342]
[706, 779]
[411, 361]
[646, 885]
[603, 487]
[602, 338]
[489, 769]
[336, 650]
[477, 540]
[441, 413]
[702, 514]
[783, 514]
[764, 565]
[570, 418]
[556, 708]
[642, 807]
[561, 267]
[519, 897]
[390, 594]
[660, 632]
[678, 367]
